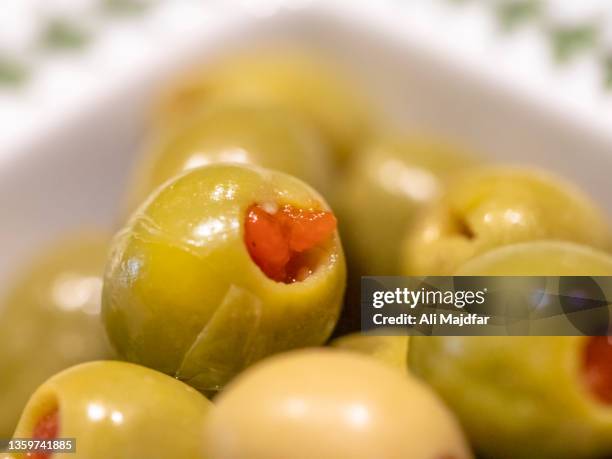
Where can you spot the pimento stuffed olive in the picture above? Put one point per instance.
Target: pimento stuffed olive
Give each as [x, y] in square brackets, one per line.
[118, 410]
[330, 404]
[263, 135]
[523, 397]
[312, 87]
[490, 207]
[50, 319]
[221, 267]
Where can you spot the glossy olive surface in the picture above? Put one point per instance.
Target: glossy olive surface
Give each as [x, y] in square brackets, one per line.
[120, 410]
[330, 404]
[244, 133]
[391, 350]
[50, 319]
[494, 206]
[313, 87]
[182, 294]
[383, 190]
[517, 397]
[522, 397]
[542, 258]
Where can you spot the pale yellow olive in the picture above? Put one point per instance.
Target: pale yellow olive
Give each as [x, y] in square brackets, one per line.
[50, 319]
[391, 350]
[495, 206]
[330, 404]
[380, 195]
[309, 85]
[119, 410]
[233, 132]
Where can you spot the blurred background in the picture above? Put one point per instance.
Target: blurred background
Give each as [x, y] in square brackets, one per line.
[526, 80]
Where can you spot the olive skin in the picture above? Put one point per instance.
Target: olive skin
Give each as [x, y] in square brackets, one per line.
[182, 294]
[245, 133]
[490, 207]
[390, 181]
[311, 86]
[330, 404]
[50, 319]
[542, 258]
[391, 350]
[521, 397]
[122, 411]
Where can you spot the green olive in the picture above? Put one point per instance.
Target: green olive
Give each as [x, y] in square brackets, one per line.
[118, 410]
[330, 404]
[49, 320]
[491, 207]
[518, 397]
[525, 397]
[244, 133]
[380, 196]
[182, 293]
[310, 86]
[391, 350]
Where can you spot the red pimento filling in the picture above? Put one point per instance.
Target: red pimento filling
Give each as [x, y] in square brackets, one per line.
[598, 367]
[46, 429]
[277, 242]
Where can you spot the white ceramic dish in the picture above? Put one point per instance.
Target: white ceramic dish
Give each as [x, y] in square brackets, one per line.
[71, 171]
